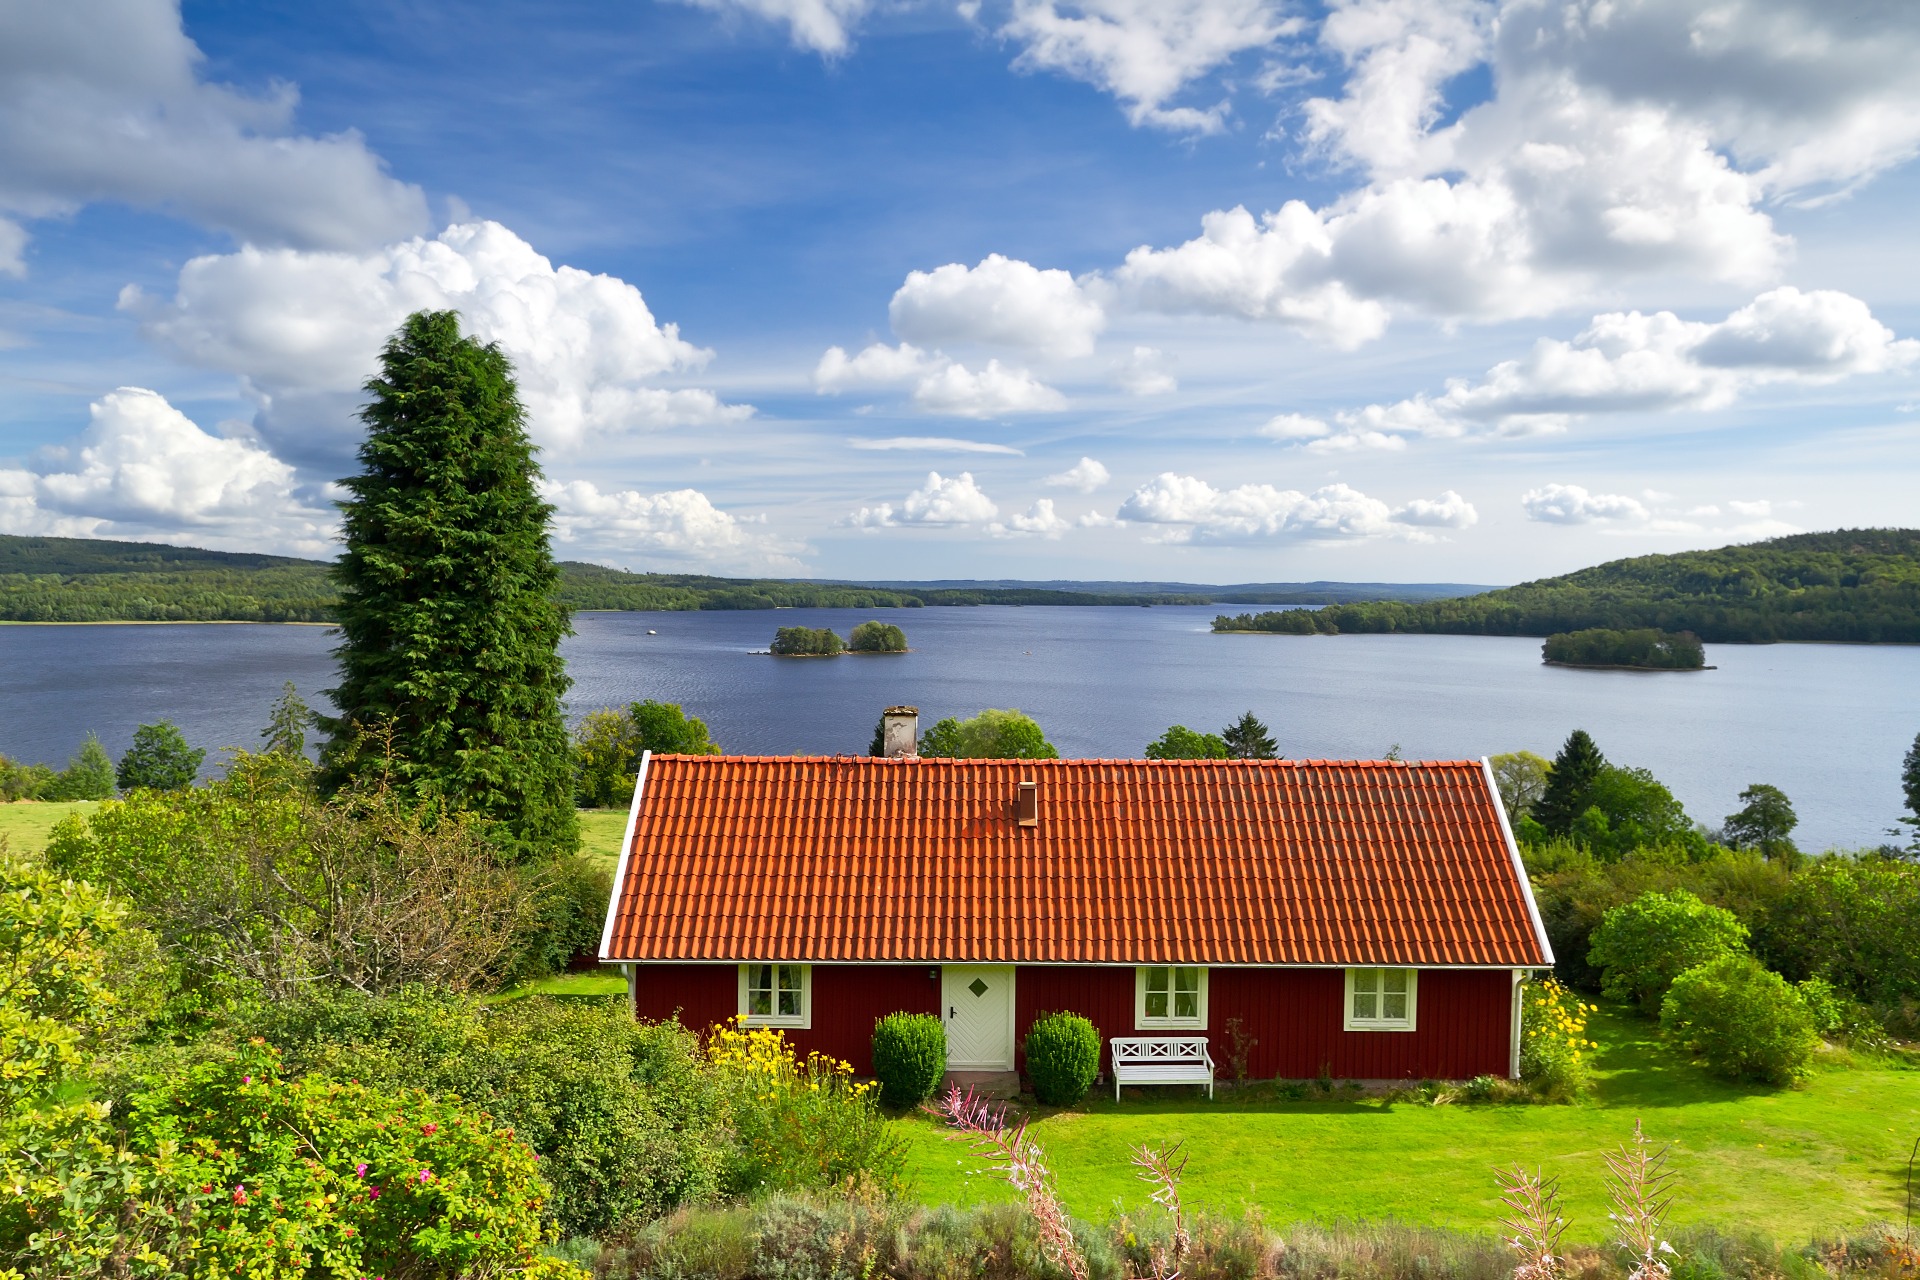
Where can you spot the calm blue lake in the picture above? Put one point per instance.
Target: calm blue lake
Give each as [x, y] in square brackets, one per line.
[1826, 723]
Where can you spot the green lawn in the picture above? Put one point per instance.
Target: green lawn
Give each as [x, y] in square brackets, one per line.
[27, 823]
[1793, 1163]
[600, 832]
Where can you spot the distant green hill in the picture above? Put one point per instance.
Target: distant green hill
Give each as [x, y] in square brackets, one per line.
[1851, 585]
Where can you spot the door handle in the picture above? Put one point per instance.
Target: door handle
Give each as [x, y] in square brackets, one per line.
[952, 1013]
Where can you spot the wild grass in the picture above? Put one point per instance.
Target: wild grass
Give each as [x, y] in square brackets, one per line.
[1826, 1158]
[27, 823]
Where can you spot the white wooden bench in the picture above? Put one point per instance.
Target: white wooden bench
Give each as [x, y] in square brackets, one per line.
[1161, 1060]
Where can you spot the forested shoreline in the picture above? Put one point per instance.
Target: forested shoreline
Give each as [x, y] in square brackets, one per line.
[1857, 585]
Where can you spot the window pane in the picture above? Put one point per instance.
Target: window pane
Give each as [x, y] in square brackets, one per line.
[1365, 1004]
[790, 977]
[1186, 1004]
[1366, 980]
[1156, 1003]
[1396, 980]
[1393, 1006]
[789, 1003]
[1157, 979]
[1186, 980]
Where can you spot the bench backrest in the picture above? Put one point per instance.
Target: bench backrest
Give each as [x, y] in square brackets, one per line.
[1130, 1049]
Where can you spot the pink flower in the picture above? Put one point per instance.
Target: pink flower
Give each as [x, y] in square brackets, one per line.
[429, 1129]
[426, 1175]
[240, 1193]
[373, 1193]
[360, 1171]
[248, 1080]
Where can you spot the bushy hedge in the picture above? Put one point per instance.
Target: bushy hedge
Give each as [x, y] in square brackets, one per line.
[1643, 946]
[909, 1057]
[1063, 1057]
[1743, 1021]
[627, 1122]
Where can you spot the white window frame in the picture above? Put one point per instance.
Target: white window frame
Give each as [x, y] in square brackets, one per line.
[776, 1019]
[1141, 1022]
[1408, 1023]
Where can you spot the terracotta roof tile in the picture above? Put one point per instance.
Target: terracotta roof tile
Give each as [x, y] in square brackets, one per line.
[1256, 862]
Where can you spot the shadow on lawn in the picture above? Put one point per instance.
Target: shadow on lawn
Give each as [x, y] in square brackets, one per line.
[1635, 1069]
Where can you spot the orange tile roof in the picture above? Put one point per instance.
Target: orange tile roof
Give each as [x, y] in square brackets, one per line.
[1220, 862]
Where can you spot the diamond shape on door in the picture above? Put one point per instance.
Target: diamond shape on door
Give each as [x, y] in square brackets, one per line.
[978, 987]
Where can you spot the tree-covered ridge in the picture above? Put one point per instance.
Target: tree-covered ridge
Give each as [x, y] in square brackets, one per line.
[1849, 585]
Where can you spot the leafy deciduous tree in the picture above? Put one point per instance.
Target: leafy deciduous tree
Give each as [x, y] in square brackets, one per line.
[159, 760]
[1182, 743]
[608, 744]
[1765, 822]
[1522, 779]
[877, 637]
[452, 631]
[1647, 943]
[991, 735]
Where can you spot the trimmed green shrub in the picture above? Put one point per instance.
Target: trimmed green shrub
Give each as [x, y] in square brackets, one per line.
[1744, 1022]
[877, 637]
[1644, 945]
[909, 1057]
[1063, 1057]
[807, 642]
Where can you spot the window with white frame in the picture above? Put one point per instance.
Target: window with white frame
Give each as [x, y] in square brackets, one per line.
[1169, 995]
[776, 995]
[1381, 999]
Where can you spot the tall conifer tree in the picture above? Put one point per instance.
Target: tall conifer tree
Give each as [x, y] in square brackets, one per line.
[1569, 790]
[451, 657]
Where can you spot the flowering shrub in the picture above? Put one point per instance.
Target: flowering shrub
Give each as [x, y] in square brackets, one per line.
[1554, 1044]
[230, 1169]
[797, 1122]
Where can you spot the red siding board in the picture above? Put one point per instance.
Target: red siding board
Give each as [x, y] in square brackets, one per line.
[1465, 1016]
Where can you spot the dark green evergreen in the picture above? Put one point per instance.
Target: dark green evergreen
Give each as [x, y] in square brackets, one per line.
[159, 760]
[451, 677]
[286, 731]
[1570, 786]
[1248, 739]
[88, 776]
[1910, 784]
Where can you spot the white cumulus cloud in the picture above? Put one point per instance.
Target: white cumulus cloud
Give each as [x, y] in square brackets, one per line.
[142, 468]
[1146, 52]
[1630, 361]
[105, 100]
[1143, 372]
[940, 385]
[1083, 476]
[1198, 512]
[305, 329]
[1572, 504]
[1001, 302]
[680, 524]
[821, 26]
[942, 500]
[1039, 520]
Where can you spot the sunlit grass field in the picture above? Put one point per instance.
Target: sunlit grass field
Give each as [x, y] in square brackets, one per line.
[26, 824]
[1793, 1163]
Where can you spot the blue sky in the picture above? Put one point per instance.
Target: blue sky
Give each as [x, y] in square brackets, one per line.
[1218, 290]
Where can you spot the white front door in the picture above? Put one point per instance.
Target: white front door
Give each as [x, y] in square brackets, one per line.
[979, 1012]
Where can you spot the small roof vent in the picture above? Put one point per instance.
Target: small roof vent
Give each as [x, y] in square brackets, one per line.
[1026, 804]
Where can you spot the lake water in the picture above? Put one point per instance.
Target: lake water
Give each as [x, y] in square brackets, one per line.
[1826, 723]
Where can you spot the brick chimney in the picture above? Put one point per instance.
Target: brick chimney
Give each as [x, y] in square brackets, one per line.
[900, 737]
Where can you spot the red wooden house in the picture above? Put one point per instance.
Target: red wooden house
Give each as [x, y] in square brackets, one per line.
[1361, 919]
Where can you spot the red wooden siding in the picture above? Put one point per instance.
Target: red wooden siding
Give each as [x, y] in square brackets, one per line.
[1464, 1015]
[846, 1000]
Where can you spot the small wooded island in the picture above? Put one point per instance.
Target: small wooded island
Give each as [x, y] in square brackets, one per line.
[825, 642]
[1642, 649]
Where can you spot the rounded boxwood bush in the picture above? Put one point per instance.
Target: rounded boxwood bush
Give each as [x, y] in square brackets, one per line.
[909, 1057]
[1743, 1021]
[1063, 1057]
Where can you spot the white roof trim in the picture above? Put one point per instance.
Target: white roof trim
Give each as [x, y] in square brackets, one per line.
[1519, 866]
[626, 852]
